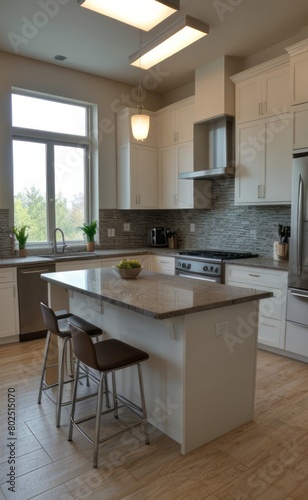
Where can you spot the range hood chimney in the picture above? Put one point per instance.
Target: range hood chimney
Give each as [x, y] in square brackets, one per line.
[214, 134]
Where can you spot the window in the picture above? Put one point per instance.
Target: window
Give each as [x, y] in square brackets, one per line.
[51, 151]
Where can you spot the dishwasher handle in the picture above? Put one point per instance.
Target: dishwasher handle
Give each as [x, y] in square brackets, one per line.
[37, 271]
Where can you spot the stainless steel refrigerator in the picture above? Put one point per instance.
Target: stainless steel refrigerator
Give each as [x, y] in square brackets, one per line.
[297, 302]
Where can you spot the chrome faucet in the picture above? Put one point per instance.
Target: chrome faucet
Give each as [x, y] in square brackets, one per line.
[54, 244]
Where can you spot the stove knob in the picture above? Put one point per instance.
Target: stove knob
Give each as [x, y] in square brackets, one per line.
[211, 268]
[184, 265]
[216, 270]
[188, 266]
[205, 268]
[179, 264]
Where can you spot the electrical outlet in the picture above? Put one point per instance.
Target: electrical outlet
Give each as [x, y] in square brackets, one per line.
[126, 226]
[222, 328]
[192, 228]
[111, 232]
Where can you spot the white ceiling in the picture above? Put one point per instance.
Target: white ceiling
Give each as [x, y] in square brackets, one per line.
[96, 44]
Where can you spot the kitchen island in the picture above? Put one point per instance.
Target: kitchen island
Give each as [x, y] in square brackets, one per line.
[201, 338]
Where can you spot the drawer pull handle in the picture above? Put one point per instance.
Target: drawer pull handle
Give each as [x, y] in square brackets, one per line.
[255, 275]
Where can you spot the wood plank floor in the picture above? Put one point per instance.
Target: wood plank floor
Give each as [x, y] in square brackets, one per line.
[264, 459]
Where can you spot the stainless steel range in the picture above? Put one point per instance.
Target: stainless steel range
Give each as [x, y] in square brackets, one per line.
[206, 265]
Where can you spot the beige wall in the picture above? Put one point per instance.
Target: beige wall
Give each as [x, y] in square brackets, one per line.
[108, 95]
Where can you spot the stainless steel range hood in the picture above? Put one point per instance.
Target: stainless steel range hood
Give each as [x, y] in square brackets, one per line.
[213, 150]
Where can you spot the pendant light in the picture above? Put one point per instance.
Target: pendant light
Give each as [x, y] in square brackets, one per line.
[140, 123]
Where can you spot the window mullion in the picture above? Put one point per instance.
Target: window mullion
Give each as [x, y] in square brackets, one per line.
[50, 190]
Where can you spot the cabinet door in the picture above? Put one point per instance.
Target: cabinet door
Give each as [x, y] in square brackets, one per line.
[276, 92]
[168, 178]
[185, 124]
[299, 78]
[277, 171]
[248, 99]
[249, 163]
[300, 126]
[8, 310]
[264, 161]
[167, 129]
[147, 173]
[176, 126]
[77, 265]
[185, 164]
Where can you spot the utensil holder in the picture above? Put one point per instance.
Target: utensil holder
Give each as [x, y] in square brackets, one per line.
[281, 251]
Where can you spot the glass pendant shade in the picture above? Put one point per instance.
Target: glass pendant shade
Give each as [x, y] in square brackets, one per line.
[140, 126]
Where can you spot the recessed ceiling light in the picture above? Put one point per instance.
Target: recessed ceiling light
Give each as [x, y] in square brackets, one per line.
[60, 58]
[142, 14]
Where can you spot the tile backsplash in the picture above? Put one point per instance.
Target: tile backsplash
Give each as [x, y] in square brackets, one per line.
[225, 226]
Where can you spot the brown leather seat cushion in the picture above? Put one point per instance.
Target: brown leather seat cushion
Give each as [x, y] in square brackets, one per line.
[112, 354]
[84, 325]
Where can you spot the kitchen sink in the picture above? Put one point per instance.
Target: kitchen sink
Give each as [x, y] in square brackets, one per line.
[70, 255]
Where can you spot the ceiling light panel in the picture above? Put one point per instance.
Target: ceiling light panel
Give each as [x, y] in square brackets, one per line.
[142, 14]
[175, 38]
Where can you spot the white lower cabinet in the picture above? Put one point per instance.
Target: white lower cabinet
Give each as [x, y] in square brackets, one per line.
[163, 264]
[272, 311]
[77, 265]
[9, 317]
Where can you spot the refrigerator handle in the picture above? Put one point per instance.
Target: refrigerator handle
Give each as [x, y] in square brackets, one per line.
[300, 207]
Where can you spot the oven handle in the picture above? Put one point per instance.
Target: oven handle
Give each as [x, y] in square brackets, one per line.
[197, 277]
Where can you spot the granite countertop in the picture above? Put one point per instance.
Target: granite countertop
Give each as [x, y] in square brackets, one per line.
[101, 254]
[263, 262]
[155, 295]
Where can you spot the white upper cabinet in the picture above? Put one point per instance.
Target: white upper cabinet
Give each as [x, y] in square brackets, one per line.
[299, 92]
[263, 91]
[299, 72]
[264, 131]
[137, 177]
[264, 161]
[176, 123]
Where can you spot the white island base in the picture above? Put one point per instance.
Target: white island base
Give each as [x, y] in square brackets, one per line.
[200, 378]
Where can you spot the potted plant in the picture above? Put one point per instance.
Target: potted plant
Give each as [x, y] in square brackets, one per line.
[21, 236]
[90, 231]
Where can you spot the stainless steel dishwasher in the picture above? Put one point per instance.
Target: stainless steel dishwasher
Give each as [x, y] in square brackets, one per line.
[31, 291]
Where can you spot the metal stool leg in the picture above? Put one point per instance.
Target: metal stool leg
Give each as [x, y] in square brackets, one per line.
[98, 419]
[114, 393]
[74, 397]
[144, 411]
[61, 381]
[47, 343]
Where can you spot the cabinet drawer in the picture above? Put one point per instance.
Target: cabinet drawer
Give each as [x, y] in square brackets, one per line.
[272, 307]
[7, 275]
[270, 332]
[256, 276]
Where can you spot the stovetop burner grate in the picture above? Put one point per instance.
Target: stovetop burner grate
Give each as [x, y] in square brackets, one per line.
[218, 254]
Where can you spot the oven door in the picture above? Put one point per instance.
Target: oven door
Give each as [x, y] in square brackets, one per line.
[187, 274]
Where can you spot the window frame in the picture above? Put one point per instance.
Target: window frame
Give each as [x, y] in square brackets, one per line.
[52, 139]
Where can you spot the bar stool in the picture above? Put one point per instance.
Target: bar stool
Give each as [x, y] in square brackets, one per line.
[57, 324]
[106, 356]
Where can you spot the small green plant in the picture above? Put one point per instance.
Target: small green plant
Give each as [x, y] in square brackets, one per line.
[89, 230]
[21, 235]
[128, 264]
